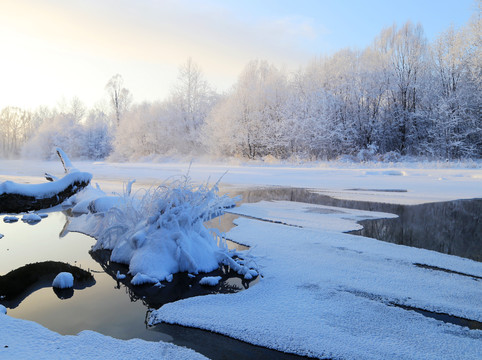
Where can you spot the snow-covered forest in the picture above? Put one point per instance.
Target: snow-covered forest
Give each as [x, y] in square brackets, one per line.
[400, 96]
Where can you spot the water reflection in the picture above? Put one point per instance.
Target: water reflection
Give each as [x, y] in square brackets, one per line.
[181, 287]
[20, 283]
[449, 227]
[452, 227]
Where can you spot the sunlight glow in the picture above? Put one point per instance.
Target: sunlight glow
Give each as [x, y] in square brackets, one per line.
[57, 49]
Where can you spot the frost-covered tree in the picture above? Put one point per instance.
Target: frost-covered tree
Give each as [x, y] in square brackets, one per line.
[405, 51]
[16, 127]
[190, 102]
[456, 116]
[251, 120]
[97, 135]
[120, 97]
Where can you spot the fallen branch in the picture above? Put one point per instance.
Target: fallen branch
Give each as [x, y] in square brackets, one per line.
[16, 198]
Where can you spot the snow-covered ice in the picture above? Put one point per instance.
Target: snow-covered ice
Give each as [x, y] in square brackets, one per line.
[63, 280]
[24, 340]
[324, 293]
[421, 180]
[210, 280]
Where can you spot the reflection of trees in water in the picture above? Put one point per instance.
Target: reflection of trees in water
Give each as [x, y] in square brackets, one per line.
[182, 285]
[452, 227]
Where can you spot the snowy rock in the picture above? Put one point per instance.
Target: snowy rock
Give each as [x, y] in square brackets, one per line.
[250, 274]
[63, 280]
[140, 279]
[1, 236]
[3, 309]
[120, 276]
[210, 280]
[31, 218]
[10, 219]
[104, 203]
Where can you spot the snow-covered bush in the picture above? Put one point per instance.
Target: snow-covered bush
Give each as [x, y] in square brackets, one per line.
[391, 156]
[160, 231]
[368, 154]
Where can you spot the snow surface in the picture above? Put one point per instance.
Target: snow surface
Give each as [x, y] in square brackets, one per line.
[25, 340]
[210, 280]
[331, 291]
[3, 309]
[424, 182]
[324, 293]
[63, 280]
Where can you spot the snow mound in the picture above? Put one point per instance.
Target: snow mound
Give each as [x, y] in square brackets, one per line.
[104, 203]
[31, 218]
[29, 340]
[210, 280]
[140, 279]
[63, 280]
[3, 309]
[160, 231]
[387, 172]
[10, 219]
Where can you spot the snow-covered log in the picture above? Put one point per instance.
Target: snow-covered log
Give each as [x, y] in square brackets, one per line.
[16, 198]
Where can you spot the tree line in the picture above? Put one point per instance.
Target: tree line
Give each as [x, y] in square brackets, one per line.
[400, 96]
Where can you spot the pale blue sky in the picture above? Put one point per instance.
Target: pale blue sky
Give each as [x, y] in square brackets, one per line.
[64, 48]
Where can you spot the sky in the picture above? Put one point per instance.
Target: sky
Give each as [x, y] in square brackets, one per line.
[53, 50]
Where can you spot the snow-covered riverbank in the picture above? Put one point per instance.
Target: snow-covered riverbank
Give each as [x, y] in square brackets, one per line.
[324, 293]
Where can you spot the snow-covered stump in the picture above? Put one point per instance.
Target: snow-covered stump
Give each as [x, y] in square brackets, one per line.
[17, 198]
